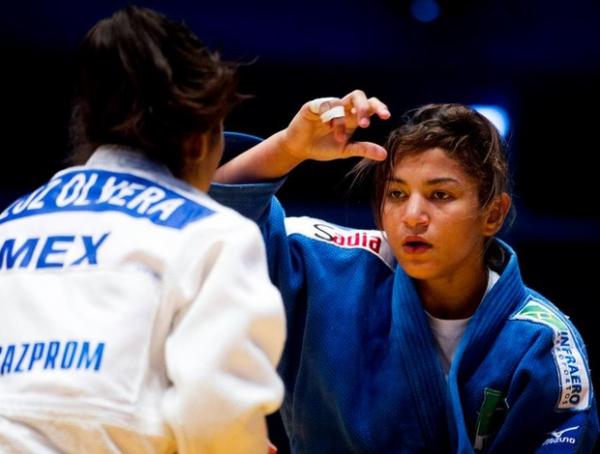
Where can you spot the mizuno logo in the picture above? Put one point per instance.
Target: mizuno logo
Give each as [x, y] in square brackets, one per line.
[558, 436]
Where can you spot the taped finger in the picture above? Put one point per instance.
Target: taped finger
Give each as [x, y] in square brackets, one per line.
[315, 104]
[334, 112]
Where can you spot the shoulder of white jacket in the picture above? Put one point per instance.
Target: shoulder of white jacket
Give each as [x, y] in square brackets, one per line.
[224, 218]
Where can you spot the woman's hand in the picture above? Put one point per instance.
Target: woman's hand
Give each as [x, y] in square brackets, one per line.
[309, 137]
[321, 130]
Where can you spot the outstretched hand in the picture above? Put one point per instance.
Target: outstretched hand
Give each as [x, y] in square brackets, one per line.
[308, 136]
[321, 130]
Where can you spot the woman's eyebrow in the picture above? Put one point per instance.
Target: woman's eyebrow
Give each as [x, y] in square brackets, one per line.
[431, 182]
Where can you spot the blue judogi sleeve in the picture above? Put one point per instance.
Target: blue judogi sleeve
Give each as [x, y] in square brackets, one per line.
[257, 201]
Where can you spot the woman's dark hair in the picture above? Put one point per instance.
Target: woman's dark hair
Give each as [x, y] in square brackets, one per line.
[147, 82]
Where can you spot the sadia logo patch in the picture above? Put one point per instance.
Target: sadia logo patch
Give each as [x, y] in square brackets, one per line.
[571, 368]
[368, 240]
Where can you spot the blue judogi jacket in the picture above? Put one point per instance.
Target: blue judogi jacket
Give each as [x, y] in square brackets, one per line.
[361, 368]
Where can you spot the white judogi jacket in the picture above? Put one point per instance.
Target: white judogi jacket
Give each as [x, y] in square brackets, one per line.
[137, 316]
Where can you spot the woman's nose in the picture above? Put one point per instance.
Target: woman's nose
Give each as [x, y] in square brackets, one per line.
[416, 214]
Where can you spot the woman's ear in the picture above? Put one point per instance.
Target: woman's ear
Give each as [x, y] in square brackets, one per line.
[495, 214]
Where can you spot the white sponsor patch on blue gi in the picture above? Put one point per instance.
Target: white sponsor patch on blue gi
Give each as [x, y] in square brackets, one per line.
[571, 368]
[369, 240]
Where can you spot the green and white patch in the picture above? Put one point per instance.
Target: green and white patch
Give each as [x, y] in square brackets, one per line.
[571, 368]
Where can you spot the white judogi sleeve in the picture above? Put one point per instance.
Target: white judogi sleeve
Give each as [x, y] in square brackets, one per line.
[227, 336]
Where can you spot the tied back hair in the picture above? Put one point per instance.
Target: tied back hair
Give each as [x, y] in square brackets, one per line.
[149, 83]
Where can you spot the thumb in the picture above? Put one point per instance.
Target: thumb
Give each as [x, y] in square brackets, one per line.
[367, 150]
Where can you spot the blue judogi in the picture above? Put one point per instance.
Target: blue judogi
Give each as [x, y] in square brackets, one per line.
[361, 367]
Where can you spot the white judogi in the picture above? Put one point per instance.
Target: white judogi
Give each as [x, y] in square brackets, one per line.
[138, 316]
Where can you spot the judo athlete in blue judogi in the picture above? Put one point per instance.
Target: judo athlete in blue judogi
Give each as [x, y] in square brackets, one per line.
[420, 336]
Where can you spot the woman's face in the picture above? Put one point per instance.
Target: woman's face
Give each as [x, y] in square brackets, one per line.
[432, 217]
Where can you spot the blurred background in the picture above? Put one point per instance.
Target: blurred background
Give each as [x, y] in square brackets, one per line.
[536, 63]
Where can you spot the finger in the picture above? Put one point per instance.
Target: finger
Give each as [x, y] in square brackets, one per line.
[375, 107]
[333, 113]
[367, 150]
[328, 108]
[320, 105]
[330, 111]
[338, 125]
[378, 108]
[362, 108]
[358, 104]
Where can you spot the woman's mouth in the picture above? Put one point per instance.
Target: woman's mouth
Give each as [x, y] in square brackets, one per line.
[416, 246]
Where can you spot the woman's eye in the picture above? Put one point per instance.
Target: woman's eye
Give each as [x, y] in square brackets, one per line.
[396, 194]
[440, 195]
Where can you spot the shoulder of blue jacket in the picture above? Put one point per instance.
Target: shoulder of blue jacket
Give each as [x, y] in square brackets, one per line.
[567, 352]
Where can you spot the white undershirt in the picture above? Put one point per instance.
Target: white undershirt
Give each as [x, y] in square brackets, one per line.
[448, 333]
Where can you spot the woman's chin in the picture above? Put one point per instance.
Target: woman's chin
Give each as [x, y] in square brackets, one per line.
[419, 271]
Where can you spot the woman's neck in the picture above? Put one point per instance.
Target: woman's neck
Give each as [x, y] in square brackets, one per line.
[454, 297]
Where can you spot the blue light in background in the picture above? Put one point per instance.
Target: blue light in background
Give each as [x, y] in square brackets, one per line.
[425, 10]
[497, 115]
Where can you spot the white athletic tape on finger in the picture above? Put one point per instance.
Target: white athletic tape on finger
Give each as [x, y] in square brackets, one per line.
[315, 104]
[334, 112]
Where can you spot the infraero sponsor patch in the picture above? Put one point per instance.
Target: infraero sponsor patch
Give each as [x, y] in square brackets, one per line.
[571, 368]
[369, 240]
